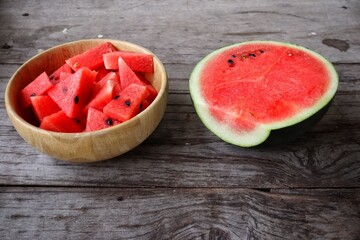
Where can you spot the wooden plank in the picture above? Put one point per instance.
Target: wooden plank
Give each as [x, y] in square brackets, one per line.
[88, 213]
[181, 31]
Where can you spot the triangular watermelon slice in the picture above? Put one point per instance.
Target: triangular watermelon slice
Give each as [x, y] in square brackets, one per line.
[97, 120]
[127, 104]
[59, 122]
[43, 106]
[39, 86]
[56, 75]
[100, 84]
[101, 73]
[139, 62]
[127, 75]
[104, 96]
[152, 91]
[72, 94]
[92, 58]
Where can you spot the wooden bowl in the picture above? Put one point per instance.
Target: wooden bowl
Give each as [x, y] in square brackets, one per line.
[87, 146]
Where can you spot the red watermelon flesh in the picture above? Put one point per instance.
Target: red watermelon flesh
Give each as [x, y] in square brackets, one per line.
[97, 120]
[92, 58]
[144, 104]
[139, 62]
[101, 73]
[152, 91]
[127, 75]
[104, 96]
[39, 86]
[59, 122]
[72, 94]
[64, 75]
[127, 104]
[248, 86]
[100, 84]
[43, 106]
[56, 75]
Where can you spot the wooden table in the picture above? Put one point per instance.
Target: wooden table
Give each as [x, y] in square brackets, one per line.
[184, 182]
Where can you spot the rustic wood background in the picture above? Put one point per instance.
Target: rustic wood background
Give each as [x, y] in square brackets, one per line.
[183, 182]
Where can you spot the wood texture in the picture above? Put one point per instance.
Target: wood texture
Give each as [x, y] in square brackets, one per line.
[61, 213]
[183, 182]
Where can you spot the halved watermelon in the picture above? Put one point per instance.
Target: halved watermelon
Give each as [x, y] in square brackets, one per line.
[138, 62]
[262, 91]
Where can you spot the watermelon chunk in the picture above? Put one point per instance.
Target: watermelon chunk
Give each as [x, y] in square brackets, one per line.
[64, 75]
[97, 120]
[72, 94]
[139, 62]
[127, 75]
[152, 91]
[92, 58]
[56, 75]
[43, 106]
[59, 122]
[100, 84]
[104, 96]
[101, 73]
[127, 104]
[39, 86]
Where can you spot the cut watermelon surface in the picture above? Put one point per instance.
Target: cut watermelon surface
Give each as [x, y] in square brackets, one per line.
[43, 106]
[244, 91]
[92, 58]
[75, 95]
[97, 120]
[138, 62]
[37, 87]
[72, 94]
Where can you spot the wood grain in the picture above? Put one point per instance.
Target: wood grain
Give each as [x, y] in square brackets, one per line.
[61, 213]
[183, 182]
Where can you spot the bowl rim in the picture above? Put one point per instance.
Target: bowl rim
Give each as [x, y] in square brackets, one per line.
[162, 90]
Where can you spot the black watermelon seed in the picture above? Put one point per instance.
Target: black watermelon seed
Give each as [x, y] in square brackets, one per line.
[234, 56]
[261, 51]
[230, 62]
[140, 106]
[33, 94]
[78, 121]
[127, 103]
[109, 122]
[52, 77]
[76, 100]
[252, 55]
[25, 14]
[116, 97]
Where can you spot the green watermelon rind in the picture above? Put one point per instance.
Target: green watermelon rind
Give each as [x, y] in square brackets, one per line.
[262, 132]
